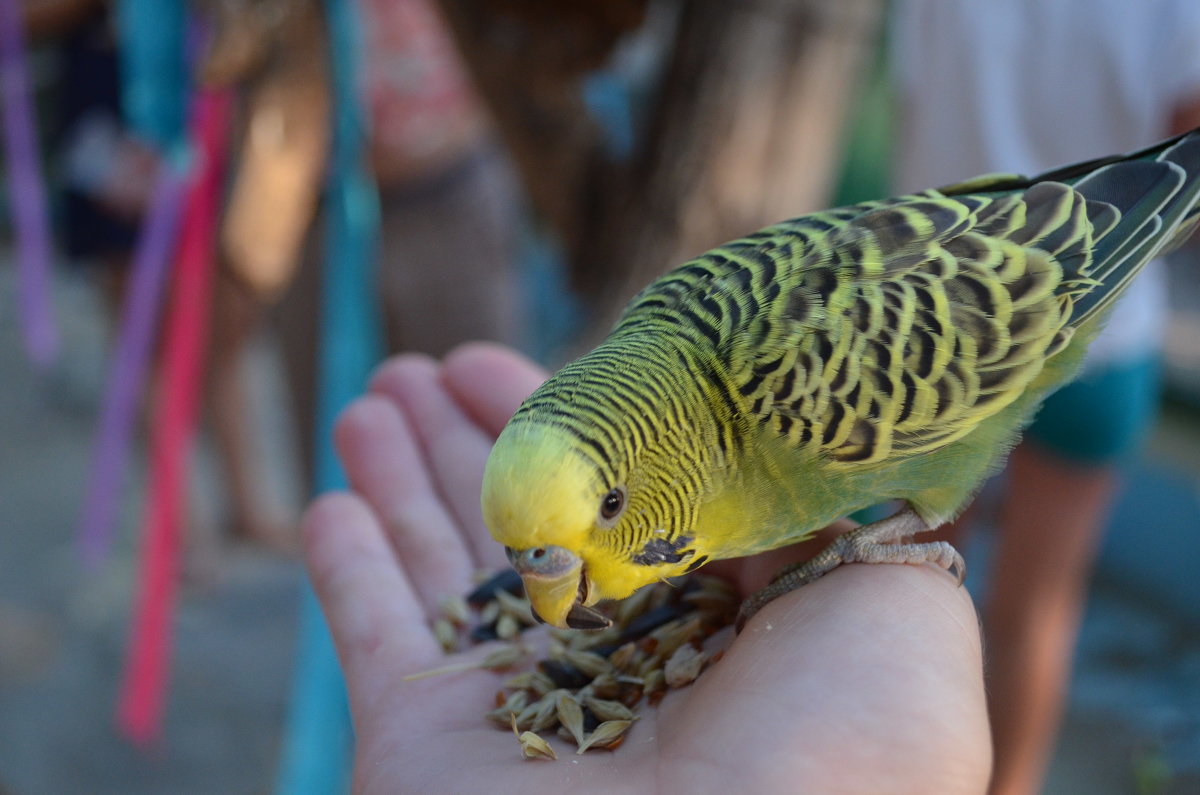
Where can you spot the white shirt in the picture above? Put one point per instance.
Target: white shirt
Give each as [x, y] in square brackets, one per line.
[1027, 85]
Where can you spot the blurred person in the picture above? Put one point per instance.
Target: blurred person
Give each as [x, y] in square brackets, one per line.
[1023, 86]
[449, 202]
[107, 176]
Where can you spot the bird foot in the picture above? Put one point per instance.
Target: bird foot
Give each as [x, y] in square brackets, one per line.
[871, 543]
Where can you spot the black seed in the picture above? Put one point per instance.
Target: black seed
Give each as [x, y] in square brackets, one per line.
[649, 621]
[507, 580]
[484, 633]
[564, 674]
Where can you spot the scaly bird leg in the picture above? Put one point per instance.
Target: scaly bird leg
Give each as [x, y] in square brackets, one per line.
[871, 543]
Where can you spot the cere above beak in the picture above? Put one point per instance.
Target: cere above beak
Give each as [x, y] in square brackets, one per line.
[556, 586]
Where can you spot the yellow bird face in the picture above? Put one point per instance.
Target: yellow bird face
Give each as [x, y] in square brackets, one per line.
[558, 519]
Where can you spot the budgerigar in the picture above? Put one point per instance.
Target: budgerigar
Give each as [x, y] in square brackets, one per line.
[891, 350]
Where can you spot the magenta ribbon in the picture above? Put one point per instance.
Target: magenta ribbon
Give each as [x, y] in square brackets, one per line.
[26, 192]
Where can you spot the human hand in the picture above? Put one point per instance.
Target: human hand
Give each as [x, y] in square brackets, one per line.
[868, 680]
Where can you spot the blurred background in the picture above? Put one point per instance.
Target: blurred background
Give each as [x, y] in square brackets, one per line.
[219, 214]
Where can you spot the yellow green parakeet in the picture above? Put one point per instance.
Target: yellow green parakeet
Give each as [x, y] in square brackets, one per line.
[887, 350]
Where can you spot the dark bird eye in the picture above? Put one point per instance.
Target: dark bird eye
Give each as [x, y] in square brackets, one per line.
[611, 505]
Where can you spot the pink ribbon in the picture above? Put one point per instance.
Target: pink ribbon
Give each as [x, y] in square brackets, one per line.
[144, 687]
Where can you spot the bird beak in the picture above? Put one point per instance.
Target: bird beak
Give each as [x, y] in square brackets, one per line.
[556, 587]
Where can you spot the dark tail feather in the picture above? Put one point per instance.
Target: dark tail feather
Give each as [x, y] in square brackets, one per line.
[1156, 193]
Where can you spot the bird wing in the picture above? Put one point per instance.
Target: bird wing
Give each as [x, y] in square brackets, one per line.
[908, 322]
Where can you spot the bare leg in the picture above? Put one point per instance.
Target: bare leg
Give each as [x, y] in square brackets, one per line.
[1047, 543]
[871, 543]
[238, 437]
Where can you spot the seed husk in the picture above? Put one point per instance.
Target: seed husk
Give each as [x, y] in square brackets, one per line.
[499, 659]
[455, 609]
[524, 719]
[521, 681]
[634, 605]
[625, 658]
[631, 693]
[507, 627]
[606, 735]
[547, 712]
[541, 684]
[533, 746]
[656, 687]
[489, 613]
[516, 701]
[446, 634]
[674, 635]
[570, 715]
[684, 666]
[588, 688]
[604, 709]
[517, 607]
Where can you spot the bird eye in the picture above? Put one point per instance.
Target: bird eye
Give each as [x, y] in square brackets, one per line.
[612, 503]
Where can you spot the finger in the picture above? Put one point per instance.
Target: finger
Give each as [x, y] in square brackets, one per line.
[453, 446]
[377, 622]
[385, 466]
[490, 381]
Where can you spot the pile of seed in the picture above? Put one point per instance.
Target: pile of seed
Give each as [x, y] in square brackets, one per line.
[591, 684]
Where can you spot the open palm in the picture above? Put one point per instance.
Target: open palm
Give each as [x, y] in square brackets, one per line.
[868, 680]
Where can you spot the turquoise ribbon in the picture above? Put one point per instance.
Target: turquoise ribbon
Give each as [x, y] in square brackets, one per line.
[317, 736]
[154, 77]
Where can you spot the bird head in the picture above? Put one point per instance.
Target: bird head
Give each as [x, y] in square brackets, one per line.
[565, 525]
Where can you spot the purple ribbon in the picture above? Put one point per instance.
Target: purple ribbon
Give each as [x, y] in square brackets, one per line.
[26, 194]
[139, 313]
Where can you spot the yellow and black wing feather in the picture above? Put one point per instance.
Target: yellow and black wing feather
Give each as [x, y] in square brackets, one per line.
[894, 328]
